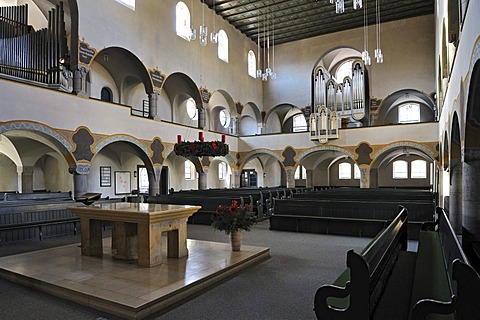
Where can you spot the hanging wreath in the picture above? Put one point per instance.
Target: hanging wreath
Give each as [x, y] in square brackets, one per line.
[201, 149]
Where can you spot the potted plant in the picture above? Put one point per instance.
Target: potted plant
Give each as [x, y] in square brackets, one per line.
[233, 219]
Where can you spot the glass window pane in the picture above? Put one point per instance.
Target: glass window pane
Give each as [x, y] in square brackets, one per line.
[252, 64]
[222, 171]
[222, 45]
[345, 171]
[188, 170]
[400, 169]
[409, 113]
[182, 21]
[299, 123]
[344, 70]
[192, 109]
[128, 3]
[356, 171]
[419, 169]
[224, 118]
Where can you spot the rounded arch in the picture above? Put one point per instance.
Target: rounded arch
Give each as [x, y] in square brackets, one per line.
[141, 150]
[259, 152]
[393, 150]
[310, 152]
[43, 133]
[221, 100]
[279, 119]
[391, 103]
[179, 83]
[124, 67]
[250, 119]
[472, 123]
[446, 151]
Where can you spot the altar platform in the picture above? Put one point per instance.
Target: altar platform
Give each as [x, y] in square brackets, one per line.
[122, 287]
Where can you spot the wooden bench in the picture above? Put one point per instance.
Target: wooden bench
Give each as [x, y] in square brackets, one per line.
[345, 217]
[386, 282]
[38, 196]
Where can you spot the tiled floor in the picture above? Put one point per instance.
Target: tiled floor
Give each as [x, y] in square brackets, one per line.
[121, 287]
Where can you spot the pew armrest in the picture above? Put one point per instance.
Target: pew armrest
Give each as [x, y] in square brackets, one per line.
[425, 307]
[324, 309]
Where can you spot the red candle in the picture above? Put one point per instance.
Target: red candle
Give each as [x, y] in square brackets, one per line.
[179, 138]
[200, 136]
[223, 138]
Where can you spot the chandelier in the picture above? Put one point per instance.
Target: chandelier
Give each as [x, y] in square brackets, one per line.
[268, 33]
[340, 5]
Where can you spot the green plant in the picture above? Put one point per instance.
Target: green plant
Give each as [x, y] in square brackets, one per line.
[233, 217]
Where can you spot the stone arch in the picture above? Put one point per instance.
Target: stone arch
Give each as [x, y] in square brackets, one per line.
[57, 139]
[310, 151]
[284, 112]
[144, 154]
[249, 156]
[428, 153]
[403, 96]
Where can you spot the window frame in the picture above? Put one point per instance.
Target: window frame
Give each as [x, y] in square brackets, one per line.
[395, 173]
[191, 105]
[341, 171]
[222, 171]
[299, 128]
[183, 30]
[414, 174]
[222, 50]
[130, 4]
[408, 114]
[252, 64]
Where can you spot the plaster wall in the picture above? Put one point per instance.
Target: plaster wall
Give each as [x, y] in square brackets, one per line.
[149, 33]
[407, 57]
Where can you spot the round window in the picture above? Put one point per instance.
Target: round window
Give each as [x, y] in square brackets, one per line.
[192, 109]
[224, 118]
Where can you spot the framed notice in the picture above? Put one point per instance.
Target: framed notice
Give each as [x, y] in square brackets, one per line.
[105, 176]
[122, 182]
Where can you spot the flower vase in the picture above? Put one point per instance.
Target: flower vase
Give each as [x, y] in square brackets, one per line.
[236, 240]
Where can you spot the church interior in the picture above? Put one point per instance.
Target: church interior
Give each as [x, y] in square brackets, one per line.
[341, 123]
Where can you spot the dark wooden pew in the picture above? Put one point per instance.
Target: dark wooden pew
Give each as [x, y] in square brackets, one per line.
[38, 196]
[386, 282]
[345, 217]
[355, 294]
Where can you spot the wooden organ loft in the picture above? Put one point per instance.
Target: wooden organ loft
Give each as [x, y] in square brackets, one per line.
[338, 104]
[38, 57]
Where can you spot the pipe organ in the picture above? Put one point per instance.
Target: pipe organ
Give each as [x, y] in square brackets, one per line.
[334, 101]
[37, 56]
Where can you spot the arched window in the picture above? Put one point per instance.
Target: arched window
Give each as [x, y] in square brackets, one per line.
[189, 170]
[106, 94]
[222, 171]
[400, 169]
[344, 170]
[418, 169]
[299, 123]
[343, 70]
[356, 172]
[182, 21]
[300, 173]
[224, 118]
[252, 64]
[409, 113]
[192, 109]
[128, 3]
[222, 46]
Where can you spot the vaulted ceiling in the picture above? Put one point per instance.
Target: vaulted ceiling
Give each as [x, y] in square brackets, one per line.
[292, 20]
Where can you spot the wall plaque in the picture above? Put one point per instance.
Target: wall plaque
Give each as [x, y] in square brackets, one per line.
[157, 77]
[86, 53]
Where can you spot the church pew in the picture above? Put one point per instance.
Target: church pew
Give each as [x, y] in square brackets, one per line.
[434, 283]
[208, 204]
[38, 196]
[345, 217]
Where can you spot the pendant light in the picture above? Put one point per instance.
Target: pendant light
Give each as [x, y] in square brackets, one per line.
[203, 30]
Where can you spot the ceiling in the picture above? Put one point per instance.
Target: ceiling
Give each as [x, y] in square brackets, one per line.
[292, 20]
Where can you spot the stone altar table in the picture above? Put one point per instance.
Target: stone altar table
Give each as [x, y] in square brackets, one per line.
[136, 230]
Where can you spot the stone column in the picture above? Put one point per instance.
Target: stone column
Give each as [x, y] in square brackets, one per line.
[471, 203]
[309, 179]
[234, 126]
[19, 179]
[290, 178]
[364, 177]
[154, 180]
[80, 183]
[27, 179]
[152, 105]
[202, 118]
[236, 176]
[455, 198]
[202, 179]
